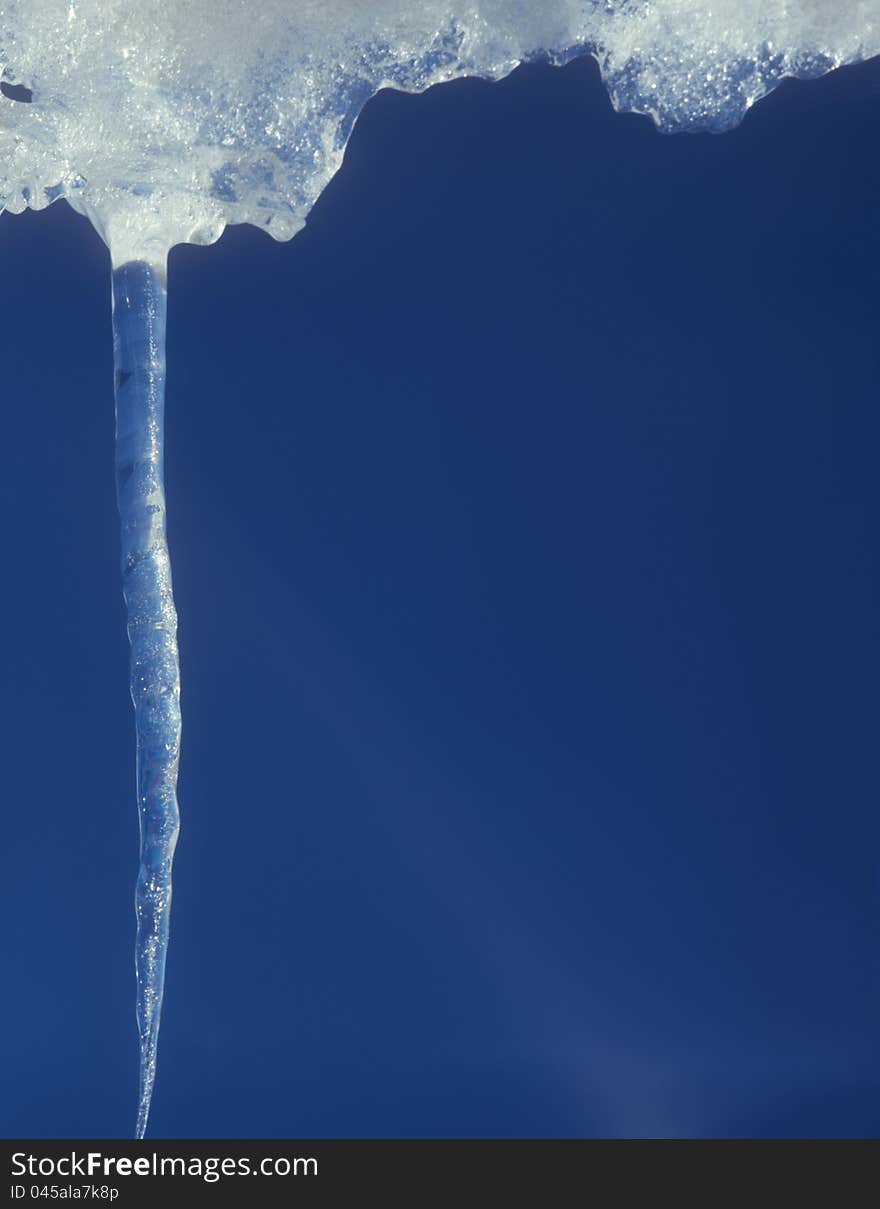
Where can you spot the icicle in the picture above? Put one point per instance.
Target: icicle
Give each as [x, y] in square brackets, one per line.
[139, 309]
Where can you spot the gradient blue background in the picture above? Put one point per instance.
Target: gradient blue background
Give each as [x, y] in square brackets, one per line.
[523, 512]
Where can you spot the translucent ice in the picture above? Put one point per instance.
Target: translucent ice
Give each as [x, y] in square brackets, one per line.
[163, 121]
[139, 359]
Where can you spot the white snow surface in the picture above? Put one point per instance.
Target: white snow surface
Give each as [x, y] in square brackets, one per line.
[164, 120]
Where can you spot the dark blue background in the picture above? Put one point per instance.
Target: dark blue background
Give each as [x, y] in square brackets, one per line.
[523, 514]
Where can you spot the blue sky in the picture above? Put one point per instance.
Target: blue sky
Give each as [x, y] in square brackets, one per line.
[523, 517]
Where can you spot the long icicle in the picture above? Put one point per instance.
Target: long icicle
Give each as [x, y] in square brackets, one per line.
[139, 310]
